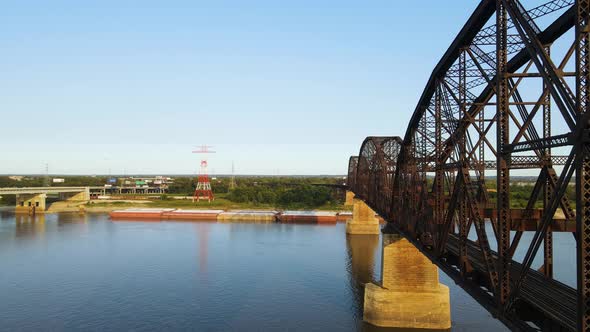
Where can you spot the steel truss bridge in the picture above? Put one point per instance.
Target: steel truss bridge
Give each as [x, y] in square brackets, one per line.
[510, 96]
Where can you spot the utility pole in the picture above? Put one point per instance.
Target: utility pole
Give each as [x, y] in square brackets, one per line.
[46, 177]
[232, 183]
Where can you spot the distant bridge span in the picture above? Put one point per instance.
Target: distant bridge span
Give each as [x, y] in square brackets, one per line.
[43, 190]
[514, 86]
[32, 200]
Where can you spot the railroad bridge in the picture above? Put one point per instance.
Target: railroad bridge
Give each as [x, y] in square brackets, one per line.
[510, 96]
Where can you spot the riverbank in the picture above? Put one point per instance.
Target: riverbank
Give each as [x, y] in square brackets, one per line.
[249, 216]
[217, 204]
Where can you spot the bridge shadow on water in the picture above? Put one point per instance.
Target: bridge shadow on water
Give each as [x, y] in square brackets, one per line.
[363, 266]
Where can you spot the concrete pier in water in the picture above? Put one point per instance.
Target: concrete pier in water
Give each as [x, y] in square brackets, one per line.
[32, 200]
[363, 219]
[30, 203]
[410, 295]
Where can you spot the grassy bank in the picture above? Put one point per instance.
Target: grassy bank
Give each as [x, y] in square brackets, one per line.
[261, 192]
[218, 203]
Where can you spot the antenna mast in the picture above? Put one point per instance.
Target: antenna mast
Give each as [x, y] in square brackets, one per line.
[232, 183]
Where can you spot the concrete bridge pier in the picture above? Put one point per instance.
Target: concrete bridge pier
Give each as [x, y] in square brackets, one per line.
[363, 219]
[75, 196]
[410, 295]
[30, 203]
[349, 198]
[72, 200]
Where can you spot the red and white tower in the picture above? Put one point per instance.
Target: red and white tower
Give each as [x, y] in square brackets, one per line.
[203, 190]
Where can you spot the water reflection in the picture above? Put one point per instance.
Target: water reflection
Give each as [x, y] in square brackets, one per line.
[6, 212]
[361, 254]
[71, 218]
[203, 235]
[29, 226]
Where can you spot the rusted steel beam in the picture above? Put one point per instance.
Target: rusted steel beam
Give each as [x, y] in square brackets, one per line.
[582, 32]
[502, 136]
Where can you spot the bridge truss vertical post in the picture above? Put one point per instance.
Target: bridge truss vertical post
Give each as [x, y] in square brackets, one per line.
[547, 189]
[438, 178]
[503, 172]
[481, 149]
[583, 168]
[462, 104]
[462, 207]
[421, 182]
[413, 190]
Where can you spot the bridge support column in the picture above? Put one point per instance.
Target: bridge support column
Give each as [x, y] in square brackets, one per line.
[76, 197]
[410, 295]
[349, 198]
[363, 219]
[30, 203]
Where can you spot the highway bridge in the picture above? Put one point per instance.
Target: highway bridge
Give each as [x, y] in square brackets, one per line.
[512, 89]
[32, 200]
[41, 190]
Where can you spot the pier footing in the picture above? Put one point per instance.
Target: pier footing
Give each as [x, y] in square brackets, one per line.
[410, 295]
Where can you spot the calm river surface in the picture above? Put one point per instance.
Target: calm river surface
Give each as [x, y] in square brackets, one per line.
[86, 273]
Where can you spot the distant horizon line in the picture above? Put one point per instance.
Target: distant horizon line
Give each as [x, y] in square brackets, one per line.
[179, 174]
[213, 176]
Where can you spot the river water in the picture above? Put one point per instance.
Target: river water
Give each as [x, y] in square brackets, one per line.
[87, 273]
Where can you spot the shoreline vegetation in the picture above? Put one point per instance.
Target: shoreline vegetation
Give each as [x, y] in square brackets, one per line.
[186, 204]
[249, 193]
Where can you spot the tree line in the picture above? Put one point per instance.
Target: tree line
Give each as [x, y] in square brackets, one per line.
[283, 192]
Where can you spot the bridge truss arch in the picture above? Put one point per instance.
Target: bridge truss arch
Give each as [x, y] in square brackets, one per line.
[375, 170]
[351, 177]
[511, 96]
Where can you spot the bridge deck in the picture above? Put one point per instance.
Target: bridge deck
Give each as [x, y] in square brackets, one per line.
[551, 297]
[41, 190]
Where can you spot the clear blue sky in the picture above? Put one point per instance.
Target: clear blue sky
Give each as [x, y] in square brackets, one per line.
[278, 87]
